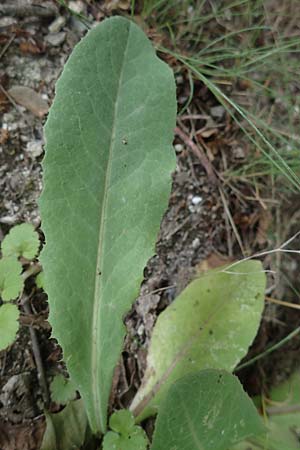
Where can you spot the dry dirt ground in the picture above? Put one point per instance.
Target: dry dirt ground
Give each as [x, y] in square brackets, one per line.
[35, 42]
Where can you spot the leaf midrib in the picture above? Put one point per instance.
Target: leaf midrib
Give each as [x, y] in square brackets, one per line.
[99, 265]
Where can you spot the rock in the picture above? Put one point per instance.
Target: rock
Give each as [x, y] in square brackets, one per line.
[77, 6]
[178, 148]
[196, 243]
[35, 148]
[56, 39]
[30, 99]
[57, 24]
[217, 111]
[196, 200]
[7, 22]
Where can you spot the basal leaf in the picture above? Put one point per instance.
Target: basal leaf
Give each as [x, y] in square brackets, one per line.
[11, 281]
[67, 429]
[207, 410]
[106, 185]
[210, 325]
[22, 240]
[9, 325]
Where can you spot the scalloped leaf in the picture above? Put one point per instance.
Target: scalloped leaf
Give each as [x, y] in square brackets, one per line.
[125, 435]
[22, 240]
[11, 281]
[62, 390]
[106, 185]
[211, 324]
[9, 325]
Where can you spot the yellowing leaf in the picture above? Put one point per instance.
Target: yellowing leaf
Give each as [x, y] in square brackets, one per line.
[210, 325]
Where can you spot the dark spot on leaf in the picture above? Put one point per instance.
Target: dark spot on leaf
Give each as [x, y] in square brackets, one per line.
[211, 332]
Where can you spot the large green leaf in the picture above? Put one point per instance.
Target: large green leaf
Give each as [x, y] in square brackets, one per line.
[210, 325]
[207, 410]
[106, 185]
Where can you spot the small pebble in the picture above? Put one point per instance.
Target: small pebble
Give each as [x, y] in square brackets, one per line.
[77, 6]
[140, 330]
[217, 112]
[196, 243]
[178, 148]
[35, 148]
[57, 24]
[196, 200]
[56, 39]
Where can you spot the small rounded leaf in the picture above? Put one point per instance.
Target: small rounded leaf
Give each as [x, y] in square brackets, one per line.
[122, 421]
[11, 281]
[22, 240]
[137, 440]
[9, 326]
[62, 390]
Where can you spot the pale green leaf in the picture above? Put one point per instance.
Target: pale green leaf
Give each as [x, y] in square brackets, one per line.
[11, 281]
[22, 240]
[126, 435]
[210, 325]
[67, 429]
[208, 410]
[62, 390]
[106, 185]
[9, 325]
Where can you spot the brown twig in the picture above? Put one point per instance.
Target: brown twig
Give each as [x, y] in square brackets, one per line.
[283, 303]
[199, 153]
[37, 354]
[8, 44]
[9, 97]
[231, 221]
[276, 410]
